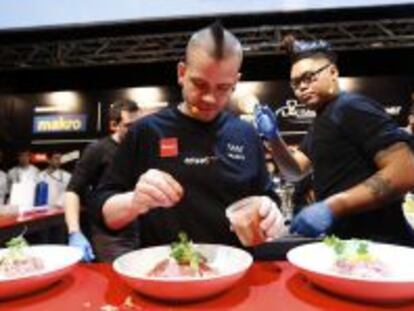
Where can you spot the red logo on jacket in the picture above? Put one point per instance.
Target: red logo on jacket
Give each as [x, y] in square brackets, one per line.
[168, 147]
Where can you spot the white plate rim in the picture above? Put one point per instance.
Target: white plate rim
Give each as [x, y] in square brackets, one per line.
[247, 265]
[38, 274]
[388, 280]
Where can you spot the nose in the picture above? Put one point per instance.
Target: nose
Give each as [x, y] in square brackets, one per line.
[303, 85]
[302, 88]
[209, 98]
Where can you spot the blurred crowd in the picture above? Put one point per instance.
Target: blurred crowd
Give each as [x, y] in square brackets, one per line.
[19, 181]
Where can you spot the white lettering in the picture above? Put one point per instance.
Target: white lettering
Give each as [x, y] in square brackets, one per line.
[393, 110]
[294, 109]
[199, 161]
[235, 148]
[59, 124]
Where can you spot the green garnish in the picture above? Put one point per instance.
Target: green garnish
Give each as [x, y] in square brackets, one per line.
[15, 247]
[337, 244]
[354, 249]
[184, 252]
[362, 248]
[18, 242]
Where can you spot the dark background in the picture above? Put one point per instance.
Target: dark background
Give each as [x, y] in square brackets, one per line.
[385, 74]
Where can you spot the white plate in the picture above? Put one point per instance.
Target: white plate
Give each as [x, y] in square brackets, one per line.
[230, 262]
[58, 260]
[316, 260]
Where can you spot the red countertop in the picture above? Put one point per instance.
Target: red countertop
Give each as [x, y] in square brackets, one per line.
[13, 219]
[267, 286]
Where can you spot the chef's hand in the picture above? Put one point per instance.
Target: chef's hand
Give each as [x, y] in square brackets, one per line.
[273, 222]
[154, 189]
[313, 220]
[266, 122]
[256, 219]
[77, 239]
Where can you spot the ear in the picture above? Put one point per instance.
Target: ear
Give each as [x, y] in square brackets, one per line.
[334, 72]
[181, 70]
[239, 75]
[112, 126]
[237, 80]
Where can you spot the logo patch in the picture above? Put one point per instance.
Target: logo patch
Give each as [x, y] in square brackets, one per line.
[236, 152]
[168, 147]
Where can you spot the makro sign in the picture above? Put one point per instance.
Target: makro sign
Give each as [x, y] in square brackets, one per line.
[59, 123]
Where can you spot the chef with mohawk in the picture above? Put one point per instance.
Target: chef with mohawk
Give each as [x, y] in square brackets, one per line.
[179, 169]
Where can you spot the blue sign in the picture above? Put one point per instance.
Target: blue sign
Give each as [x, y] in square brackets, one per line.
[59, 123]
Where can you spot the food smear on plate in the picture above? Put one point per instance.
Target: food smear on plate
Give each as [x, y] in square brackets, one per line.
[408, 204]
[184, 261]
[16, 261]
[353, 258]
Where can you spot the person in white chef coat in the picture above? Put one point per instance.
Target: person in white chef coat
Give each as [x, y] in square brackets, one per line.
[24, 170]
[22, 180]
[56, 178]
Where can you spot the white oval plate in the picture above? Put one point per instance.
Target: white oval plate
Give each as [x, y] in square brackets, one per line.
[316, 260]
[231, 263]
[58, 261]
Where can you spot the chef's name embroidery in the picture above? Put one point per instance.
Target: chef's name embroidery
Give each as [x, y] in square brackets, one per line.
[200, 161]
[235, 152]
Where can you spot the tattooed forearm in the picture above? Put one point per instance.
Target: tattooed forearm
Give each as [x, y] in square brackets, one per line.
[380, 187]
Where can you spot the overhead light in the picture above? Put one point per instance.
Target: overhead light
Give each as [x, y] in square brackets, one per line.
[147, 97]
[63, 101]
[349, 84]
[248, 88]
[246, 96]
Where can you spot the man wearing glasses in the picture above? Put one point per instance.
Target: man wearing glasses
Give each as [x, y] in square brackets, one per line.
[361, 160]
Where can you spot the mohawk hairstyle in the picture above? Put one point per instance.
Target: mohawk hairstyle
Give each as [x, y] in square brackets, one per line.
[217, 32]
[300, 49]
[218, 42]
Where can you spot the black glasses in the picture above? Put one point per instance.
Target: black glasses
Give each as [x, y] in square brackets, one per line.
[307, 77]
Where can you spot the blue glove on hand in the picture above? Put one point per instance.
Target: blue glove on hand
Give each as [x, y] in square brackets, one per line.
[266, 122]
[313, 220]
[77, 239]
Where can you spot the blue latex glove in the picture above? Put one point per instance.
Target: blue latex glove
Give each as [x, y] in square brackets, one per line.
[77, 239]
[266, 122]
[313, 221]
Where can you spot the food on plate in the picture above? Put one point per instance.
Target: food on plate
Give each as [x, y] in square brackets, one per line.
[353, 258]
[408, 205]
[408, 209]
[16, 261]
[184, 261]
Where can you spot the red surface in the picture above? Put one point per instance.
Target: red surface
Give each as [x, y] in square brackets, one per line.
[12, 220]
[267, 286]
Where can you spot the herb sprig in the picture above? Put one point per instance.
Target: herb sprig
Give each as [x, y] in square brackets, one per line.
[184, 252]
[15, 248]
